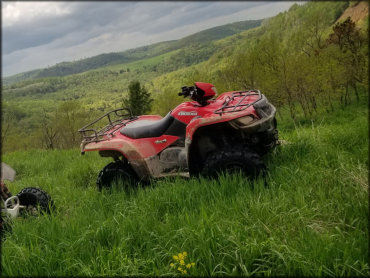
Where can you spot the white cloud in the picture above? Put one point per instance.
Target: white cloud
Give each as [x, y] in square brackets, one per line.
[41, 34]
[21, 12]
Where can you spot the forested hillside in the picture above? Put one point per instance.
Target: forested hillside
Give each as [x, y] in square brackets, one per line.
[308, 61]
[303, 59]
[201, 38]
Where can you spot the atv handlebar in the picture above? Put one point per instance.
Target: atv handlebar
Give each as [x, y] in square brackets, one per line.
[187, 91]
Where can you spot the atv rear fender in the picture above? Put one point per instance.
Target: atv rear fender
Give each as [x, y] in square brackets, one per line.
[141, 154]
[117, 149]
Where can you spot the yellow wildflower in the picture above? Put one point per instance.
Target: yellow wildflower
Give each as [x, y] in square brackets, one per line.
[184, 254]
[182, 262]
[175, 258]
[188, 266]
[181, 256]
[179, 269]
[184, 272]
[172, 264]
[193, 264]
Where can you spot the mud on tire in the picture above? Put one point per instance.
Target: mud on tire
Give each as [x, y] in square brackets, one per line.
[36, 200]
[233, 160]
[116, 172]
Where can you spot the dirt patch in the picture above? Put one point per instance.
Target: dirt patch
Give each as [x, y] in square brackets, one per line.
[356, 12]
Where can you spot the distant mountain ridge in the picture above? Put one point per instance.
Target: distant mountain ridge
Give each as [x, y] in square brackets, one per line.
[102, 60]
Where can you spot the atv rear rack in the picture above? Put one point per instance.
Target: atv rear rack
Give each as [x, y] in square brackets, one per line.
[239, 106]
[90, 134]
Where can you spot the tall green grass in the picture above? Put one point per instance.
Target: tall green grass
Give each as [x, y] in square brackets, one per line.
[311, 219]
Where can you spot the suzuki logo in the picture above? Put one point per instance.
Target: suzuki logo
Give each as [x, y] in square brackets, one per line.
[185, 113]
[160, 141]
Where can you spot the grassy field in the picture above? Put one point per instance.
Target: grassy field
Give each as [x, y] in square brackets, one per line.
[310, 220]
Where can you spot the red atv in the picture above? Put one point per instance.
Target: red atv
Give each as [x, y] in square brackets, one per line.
[202, 136]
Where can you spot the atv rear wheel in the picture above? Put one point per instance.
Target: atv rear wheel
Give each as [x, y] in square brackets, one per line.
[233, 160]
[35, 200]
[116, 172]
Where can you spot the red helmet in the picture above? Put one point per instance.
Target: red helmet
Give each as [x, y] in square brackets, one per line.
[208, 89]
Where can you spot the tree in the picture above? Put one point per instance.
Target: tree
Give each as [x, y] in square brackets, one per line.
[350, 41]
[70, 117]
[139, 99]
[10, 117]
[49, 130]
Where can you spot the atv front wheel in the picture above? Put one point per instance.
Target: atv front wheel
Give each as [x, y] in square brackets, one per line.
[35, 200]
[116, 172]
[233, 160]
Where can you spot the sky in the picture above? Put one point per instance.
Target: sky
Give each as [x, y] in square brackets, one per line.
[41, 34]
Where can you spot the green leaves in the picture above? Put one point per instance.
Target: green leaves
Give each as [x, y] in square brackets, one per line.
[139, 99]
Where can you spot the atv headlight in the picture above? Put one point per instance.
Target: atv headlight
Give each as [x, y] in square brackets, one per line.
[246, 120]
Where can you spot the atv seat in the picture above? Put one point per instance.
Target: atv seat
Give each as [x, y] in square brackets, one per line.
[147, 129]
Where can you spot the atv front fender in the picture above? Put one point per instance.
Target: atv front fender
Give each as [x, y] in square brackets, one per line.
[245, 121]
[264, 109]
[213, 119]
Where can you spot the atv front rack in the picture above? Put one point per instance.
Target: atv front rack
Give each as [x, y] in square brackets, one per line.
[96, 134]
[241, 105]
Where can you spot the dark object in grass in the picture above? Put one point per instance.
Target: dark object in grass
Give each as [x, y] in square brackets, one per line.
[29, 201]
[35, 201]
